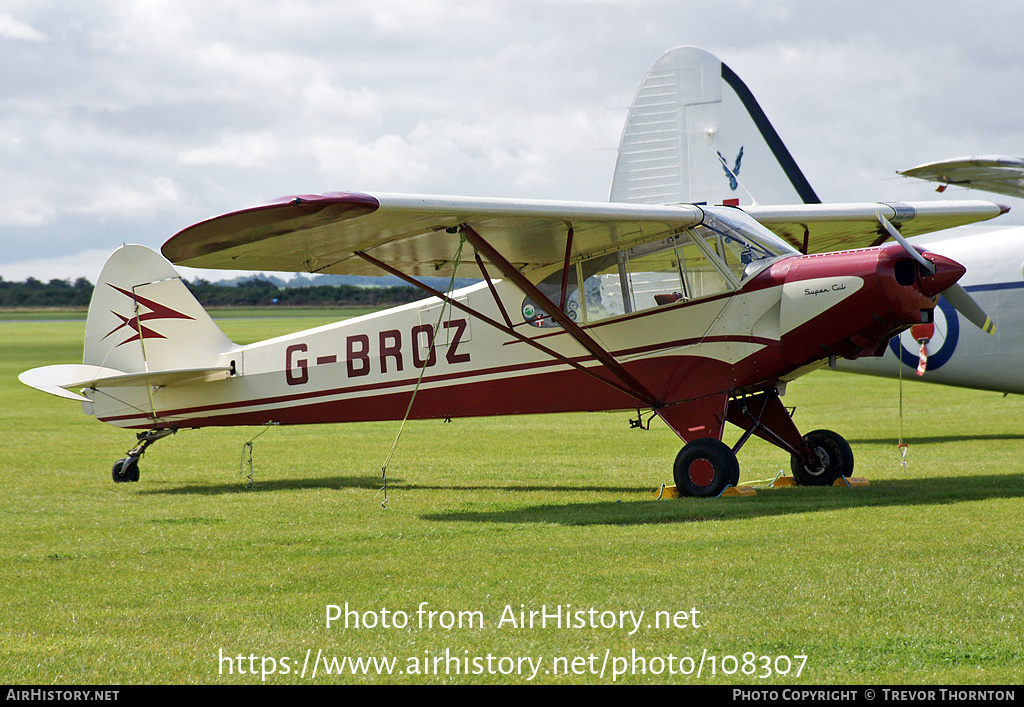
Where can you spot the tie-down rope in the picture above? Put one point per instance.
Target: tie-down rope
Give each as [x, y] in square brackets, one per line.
[440, 317]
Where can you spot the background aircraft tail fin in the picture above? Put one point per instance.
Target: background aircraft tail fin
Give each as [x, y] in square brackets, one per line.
[696, 134]
[143, 318]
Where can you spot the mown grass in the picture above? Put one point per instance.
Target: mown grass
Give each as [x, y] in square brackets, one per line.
[915, 579]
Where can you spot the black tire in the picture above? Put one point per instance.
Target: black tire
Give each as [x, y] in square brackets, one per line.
[131, 468]
[704, 468]
[118, 472]
[833, 453]
[125, 470]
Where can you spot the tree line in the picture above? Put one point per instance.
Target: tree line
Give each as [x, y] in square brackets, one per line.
[65, 294]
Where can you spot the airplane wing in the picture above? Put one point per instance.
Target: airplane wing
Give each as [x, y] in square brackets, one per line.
[415, 234]
[419, 234]
[822, 228]
[993, 173]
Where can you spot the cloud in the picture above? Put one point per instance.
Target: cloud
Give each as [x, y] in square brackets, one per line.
[18, 210]
[130, 119]
[132, 199]
[59, 266]
[10, 28]
[247, 150]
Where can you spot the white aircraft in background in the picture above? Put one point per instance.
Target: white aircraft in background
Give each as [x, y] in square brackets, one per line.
[993, 173]
[696, 134]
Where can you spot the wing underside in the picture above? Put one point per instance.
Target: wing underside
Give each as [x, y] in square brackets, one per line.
[823, 228]
[420, 235]
[416, 234]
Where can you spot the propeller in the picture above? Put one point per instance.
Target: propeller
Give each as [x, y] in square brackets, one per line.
[956, 295]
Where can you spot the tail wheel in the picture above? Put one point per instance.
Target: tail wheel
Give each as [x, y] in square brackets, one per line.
[118, 472]
[131, 468]
[704, 467]
[834, 456]
[126, 470]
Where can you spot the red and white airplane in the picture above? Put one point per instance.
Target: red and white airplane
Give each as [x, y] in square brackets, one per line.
[697, 313]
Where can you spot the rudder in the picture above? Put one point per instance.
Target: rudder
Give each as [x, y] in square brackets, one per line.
[142, 317]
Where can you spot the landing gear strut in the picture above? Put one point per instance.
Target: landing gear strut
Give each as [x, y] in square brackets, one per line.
[127, 469]
[706, 466]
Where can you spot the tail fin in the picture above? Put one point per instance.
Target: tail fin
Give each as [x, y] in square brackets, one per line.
[143, 318]
[696, 134]
[144, 329]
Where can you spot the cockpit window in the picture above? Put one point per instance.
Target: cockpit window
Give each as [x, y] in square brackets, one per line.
[662, 273]
[715, 257]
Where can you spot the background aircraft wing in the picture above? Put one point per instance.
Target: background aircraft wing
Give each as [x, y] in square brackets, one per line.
[820, 228]
[993, 173]
[415, 234]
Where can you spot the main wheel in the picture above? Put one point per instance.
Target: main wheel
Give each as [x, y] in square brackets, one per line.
[704, 467]
[835, 459]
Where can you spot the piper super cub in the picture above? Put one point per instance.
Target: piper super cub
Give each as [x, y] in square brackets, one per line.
[696, 313]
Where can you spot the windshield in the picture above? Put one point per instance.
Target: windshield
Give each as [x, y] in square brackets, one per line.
[743, 245]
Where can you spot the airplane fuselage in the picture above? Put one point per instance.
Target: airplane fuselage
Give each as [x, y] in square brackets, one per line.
[787, 319]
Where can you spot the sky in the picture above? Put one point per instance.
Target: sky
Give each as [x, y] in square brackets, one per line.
[125, 121]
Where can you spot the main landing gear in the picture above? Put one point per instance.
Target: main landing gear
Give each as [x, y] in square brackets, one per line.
[705, 467]
[127, 469]
[834, 459]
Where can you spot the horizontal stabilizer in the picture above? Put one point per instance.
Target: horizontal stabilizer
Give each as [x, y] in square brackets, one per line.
[57, 380]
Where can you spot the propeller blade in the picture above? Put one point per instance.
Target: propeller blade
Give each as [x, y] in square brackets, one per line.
[955, 294]
[965, 304]
[898, 237]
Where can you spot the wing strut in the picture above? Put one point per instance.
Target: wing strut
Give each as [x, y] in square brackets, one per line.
[565, 270]
[494, 323]
[494, 293]
[637, 389]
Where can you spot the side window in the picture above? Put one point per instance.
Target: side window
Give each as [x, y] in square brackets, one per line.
[655, 279]
[603, 295]
[682, 271]
[651, 275]
[603, 292]
[551, 286]
[642, 277]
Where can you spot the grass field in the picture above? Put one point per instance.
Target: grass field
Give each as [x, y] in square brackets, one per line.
[193, 575]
